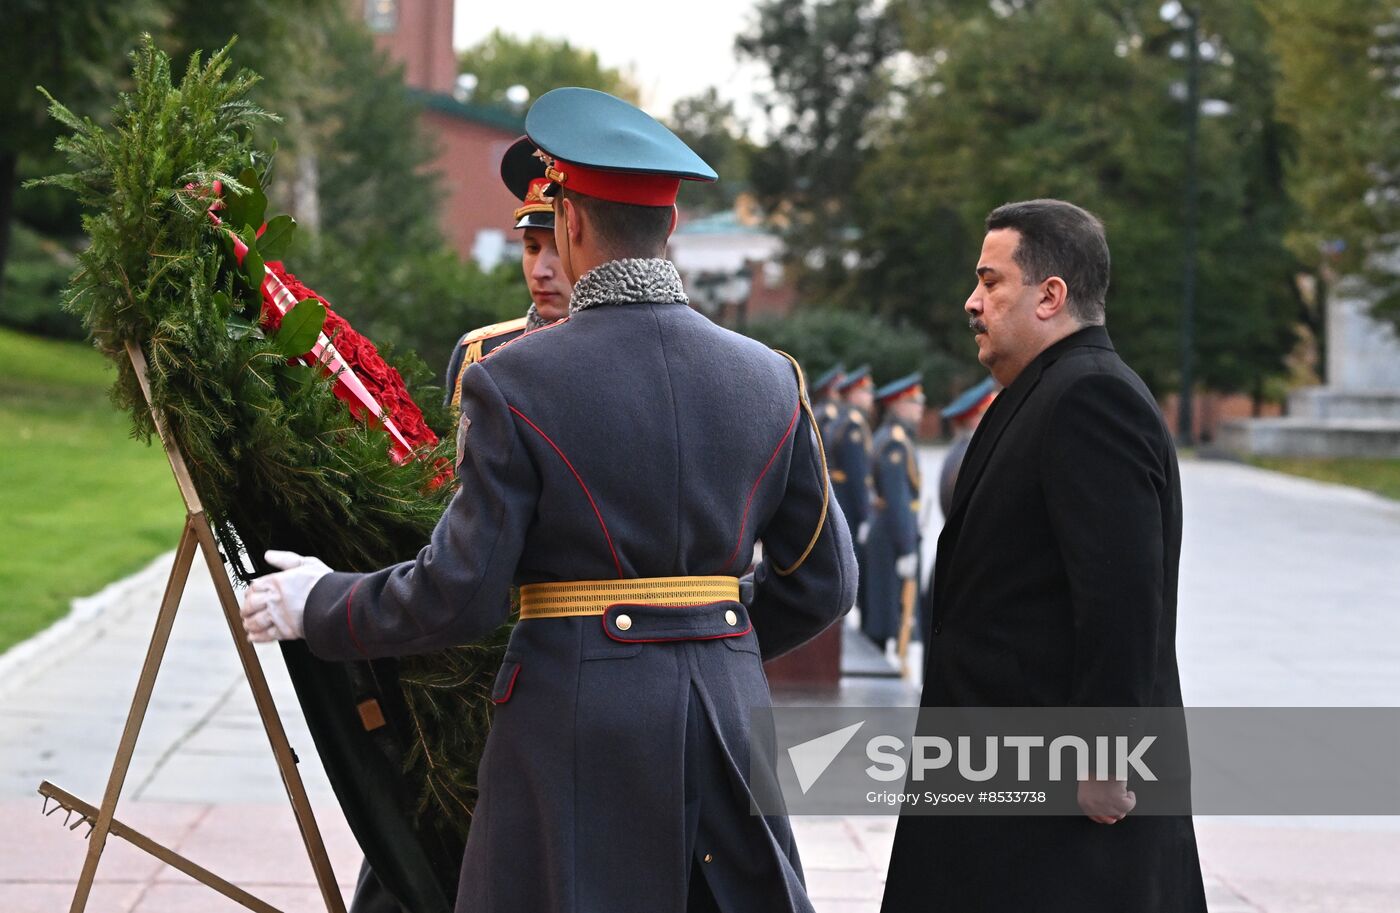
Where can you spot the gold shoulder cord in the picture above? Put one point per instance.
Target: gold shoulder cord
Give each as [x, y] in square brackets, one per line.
[472, 356]
[821, 455]
[474, 342]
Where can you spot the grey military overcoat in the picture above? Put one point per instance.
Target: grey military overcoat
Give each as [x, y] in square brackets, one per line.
[652, 444]
[894, 528]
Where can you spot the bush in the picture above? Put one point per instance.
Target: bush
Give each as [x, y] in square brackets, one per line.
[421, 300]
[820, 337]
[37, 271]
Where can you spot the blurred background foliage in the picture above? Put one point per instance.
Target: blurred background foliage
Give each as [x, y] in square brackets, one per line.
[878, 135]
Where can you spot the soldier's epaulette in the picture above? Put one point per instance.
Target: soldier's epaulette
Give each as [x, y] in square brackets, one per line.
[475, 342]
[491, 331]
[526, 335]
[897, 432]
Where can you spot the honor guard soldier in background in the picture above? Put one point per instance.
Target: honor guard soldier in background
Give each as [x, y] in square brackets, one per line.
[892, 550]
[826, 402]
[616, 776]
[522, 170]
[964, 414]
[848, 443]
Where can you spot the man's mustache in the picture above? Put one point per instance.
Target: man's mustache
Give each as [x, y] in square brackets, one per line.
[976, 325]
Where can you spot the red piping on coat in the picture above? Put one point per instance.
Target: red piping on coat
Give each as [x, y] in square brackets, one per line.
[510, 688]
[350, 622]
[548, 326]
[743, 523]
[586, 493]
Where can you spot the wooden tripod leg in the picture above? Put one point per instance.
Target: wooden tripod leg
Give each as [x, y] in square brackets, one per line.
[165, 619]
[272, 723]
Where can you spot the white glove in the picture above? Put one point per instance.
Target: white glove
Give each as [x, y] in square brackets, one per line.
[907, 567]
[275, 604]
[862, 532]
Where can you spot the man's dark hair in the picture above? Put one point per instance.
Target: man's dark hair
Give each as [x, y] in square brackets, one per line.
[1060, 239]
[624, 229]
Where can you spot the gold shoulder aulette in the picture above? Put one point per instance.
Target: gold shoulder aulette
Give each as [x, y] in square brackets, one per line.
[491, 331]
[897, 432]
[474, 342]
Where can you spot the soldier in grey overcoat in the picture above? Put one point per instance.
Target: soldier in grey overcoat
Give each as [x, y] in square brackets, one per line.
[892, 549]
[623, 489]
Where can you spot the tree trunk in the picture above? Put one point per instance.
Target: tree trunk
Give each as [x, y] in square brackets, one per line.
[9, 166]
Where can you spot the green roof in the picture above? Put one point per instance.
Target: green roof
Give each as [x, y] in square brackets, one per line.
[490, 115]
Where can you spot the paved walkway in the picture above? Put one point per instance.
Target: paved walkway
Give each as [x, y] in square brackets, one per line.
[1289, 597]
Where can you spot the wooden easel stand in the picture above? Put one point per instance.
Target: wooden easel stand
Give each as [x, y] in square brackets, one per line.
[197, 536]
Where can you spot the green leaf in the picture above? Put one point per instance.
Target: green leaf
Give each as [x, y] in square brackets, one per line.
[253, 268]
[300, 328]
[246, 208]
[277, 237]
[223, 302]
[239, 328]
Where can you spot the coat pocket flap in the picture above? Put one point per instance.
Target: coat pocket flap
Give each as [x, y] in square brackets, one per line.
[505, 680]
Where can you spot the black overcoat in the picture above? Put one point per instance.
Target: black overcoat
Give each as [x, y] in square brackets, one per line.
[631, 440]
[1055, 584]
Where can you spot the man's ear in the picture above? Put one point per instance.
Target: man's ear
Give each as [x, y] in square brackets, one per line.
[675, 217]
[572, 222]
[1054, 297]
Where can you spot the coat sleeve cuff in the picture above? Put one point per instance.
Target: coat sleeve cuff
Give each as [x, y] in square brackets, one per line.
[329, 620]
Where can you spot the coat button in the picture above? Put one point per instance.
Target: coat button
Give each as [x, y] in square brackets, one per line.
[938, 629]
[623, 622]
[709, 857]
[731, 618]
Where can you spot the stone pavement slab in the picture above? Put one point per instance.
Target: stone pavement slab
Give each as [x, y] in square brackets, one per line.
[1289, 596]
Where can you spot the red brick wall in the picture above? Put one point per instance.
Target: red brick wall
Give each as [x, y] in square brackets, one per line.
[422, 42]
[468, 163]
[1214, 409]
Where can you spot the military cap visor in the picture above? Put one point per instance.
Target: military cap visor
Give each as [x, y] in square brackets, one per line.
[603, 147]
[907, 386]
[969, 399]
[860, 377]
[829, 377]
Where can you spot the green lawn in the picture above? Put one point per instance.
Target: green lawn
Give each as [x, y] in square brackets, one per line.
[1378, 475]
[81, 504]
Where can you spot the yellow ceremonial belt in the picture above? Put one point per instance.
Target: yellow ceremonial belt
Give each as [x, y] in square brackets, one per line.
[580, 598]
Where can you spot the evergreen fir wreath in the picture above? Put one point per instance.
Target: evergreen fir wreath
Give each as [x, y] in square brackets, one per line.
[181, 260]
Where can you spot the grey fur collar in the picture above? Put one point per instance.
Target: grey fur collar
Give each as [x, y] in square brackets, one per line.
[631, 281]
[533, 320]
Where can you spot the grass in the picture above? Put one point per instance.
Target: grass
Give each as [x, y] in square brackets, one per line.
[1379, 475]
[81, 503]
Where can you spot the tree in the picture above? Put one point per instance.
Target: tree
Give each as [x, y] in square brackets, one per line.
[1339, 93]
[827, 68]
[499, 62]
[1073, 99]
[709, 126]
[70, 48]
[379, 255]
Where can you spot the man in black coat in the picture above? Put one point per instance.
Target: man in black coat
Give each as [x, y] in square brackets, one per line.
[1054, 584]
